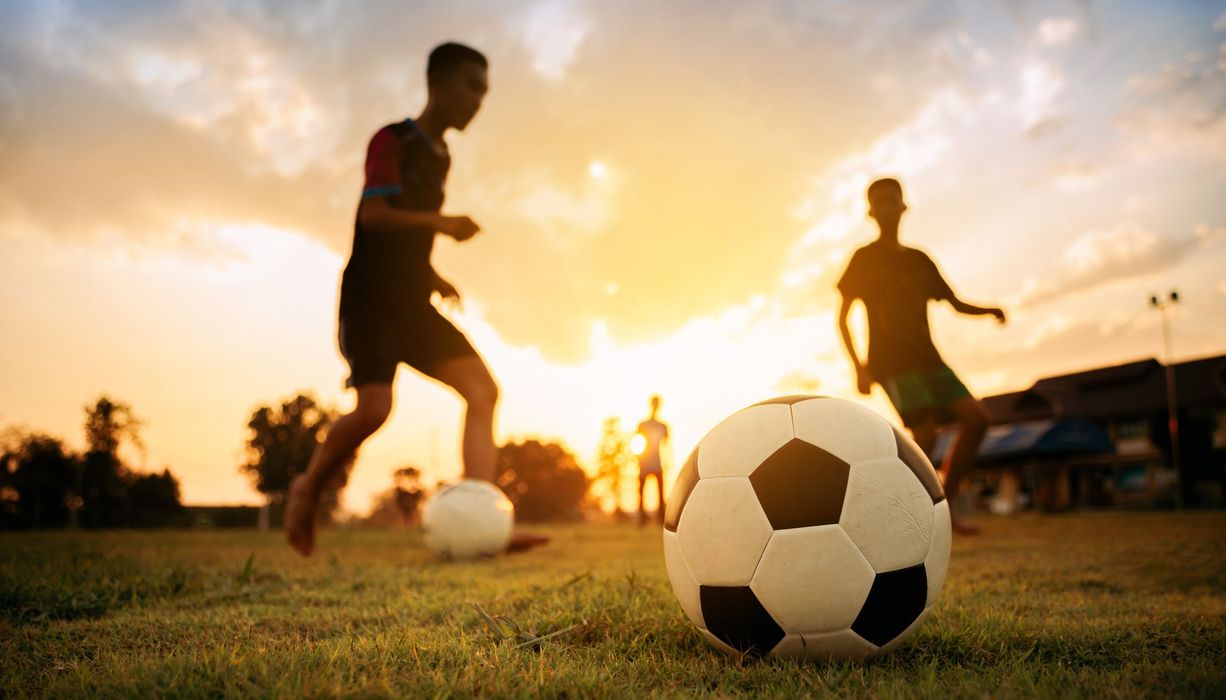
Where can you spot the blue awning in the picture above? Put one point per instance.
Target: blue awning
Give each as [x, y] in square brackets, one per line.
[1039, 438]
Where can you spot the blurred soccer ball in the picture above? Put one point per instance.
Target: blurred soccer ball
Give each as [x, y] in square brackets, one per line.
[807, 527]
[468, 520]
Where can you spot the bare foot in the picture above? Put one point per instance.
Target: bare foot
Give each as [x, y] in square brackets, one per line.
[300, 516]
[522, 541]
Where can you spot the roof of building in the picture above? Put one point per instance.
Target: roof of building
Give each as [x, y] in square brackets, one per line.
[1130, 389]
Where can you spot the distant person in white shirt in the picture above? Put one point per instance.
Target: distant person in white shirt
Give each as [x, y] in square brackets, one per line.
[648, 444]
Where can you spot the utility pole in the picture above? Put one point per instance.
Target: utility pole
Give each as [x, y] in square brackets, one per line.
[1172, 410]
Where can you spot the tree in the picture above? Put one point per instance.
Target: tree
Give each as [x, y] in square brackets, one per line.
[153, 500]
[39, 475]
[281, 442]
[44, 485]
[400, 504]
[613, 458]
[102, 480]
[543, 480]
[108, 424]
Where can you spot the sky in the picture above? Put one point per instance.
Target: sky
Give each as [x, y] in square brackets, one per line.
[668, 193]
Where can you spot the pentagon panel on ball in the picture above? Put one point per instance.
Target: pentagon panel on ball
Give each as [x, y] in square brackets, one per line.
[806, 527]
[800, 485]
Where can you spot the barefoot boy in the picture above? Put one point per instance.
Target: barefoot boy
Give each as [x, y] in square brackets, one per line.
[895, 283]
[386, 315]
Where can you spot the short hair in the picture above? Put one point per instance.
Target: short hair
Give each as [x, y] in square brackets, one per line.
[881, 185]
[445, 58]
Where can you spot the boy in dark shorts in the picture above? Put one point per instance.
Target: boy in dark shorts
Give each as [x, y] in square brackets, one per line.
[895, 283]
[386, 314]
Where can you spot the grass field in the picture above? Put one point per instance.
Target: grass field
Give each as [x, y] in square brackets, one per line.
[1104, 605]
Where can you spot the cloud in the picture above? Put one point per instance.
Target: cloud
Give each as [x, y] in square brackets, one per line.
[1041, 82]
[1075, 174]
[1209, 235]
[836, 207]
[553, 31]
[1102, 256]
[1178, 108]
[1054, 31]
[758, 130]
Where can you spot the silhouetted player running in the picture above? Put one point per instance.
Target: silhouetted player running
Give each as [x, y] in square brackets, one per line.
[896, 282]
[651, 465]
[386, 315]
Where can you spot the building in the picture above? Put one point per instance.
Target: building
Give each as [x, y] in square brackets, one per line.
[1099, 438]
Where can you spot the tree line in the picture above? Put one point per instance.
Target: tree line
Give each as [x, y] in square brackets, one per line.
[45, 484]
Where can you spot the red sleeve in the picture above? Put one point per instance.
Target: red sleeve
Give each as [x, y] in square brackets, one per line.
[383, 165]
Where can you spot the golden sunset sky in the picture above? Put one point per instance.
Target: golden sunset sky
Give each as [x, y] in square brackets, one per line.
[668, 192]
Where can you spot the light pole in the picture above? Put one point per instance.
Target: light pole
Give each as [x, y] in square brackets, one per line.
[1172, 411]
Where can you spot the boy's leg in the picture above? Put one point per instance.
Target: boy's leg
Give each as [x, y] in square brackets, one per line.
[924, 433]
[344, 437]
[472, 381]
[660, 497]
[642, 505]
[972, 424]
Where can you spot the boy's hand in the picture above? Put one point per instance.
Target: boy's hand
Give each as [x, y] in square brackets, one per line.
[461, 228]
[864, 380]
[450, 295]
[998, 313]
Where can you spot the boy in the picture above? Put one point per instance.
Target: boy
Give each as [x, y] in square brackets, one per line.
[652, 434]
[386, 315]
[896, 282]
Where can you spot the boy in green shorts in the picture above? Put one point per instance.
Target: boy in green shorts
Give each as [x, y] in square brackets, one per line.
[895, 283]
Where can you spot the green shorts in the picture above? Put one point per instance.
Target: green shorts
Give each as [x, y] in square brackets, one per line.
[925, 395]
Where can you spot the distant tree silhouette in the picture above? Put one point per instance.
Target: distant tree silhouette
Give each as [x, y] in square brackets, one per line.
[543, 480]
[613, 458]
[42, 484]
[108, 423]
[399, 505]
[281, 441]
[153, 500]
[38, 474]
[102, 482]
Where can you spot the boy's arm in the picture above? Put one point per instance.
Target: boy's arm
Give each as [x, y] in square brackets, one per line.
[376, 214]
[963, 307]
[864, 380]
[941, 291]
[448, 294]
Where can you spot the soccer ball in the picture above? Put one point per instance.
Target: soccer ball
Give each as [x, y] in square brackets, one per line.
[807, 527]
[466, 520]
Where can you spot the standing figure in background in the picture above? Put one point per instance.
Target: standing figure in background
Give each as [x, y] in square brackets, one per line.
[648, 444]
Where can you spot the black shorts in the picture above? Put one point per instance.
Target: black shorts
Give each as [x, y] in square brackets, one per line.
[925, 395]
[422, 339]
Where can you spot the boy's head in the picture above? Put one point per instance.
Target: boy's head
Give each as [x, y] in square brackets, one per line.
[457, 78]
[885, 202]
[655, 403]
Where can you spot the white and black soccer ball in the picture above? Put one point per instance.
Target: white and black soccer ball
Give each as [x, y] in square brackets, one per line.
[467, 520]
[807, 527]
